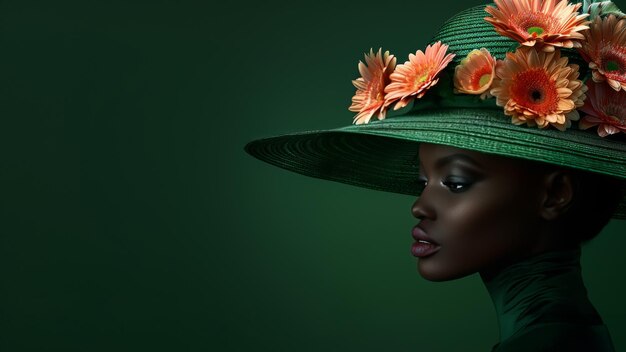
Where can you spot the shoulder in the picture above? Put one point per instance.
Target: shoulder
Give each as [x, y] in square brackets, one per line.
[559, 337]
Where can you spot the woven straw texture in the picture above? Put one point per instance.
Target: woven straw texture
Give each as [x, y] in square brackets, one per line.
[383, 155]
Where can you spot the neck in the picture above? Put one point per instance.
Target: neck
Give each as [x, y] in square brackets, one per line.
[544, 288]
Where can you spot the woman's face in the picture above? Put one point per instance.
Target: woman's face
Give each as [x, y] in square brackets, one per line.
[480, 210]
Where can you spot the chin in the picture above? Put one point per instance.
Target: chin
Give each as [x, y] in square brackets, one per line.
[433, 271]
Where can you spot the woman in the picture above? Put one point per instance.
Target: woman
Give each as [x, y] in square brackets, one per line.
[524, 240]
[522, 156]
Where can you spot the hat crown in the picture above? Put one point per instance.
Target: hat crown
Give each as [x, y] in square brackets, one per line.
[468, 30]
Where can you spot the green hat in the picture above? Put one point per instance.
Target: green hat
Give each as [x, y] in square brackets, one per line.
[489, 82]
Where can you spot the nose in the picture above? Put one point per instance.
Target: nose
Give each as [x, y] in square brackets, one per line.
[422, 207]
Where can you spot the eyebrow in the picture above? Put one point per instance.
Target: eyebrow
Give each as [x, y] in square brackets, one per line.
[450, 158]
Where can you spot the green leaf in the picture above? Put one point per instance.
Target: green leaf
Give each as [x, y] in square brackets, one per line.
[601, 8]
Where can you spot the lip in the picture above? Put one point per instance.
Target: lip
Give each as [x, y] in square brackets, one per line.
[419, 234]
[423, 249]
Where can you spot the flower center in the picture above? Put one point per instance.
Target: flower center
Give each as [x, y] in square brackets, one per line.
[535, 31]
[613, 61]
[484, 79]
[480, 77]
[421, 78]
[536, 95]
[533, 89]
[612, 66]
[535, 23]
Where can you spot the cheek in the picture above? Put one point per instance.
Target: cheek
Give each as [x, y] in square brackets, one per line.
[472, 236]
[470, 220]
[481, 231]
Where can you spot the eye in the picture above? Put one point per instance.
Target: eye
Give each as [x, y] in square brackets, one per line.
[422, 183]
[457, 186]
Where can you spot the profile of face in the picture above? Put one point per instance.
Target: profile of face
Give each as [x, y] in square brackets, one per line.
[479, 211]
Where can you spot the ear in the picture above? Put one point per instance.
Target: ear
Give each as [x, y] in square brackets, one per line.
[558, 196]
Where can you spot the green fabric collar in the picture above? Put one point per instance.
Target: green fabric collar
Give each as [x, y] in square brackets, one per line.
[545, 288]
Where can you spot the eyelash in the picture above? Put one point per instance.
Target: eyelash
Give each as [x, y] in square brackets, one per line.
[454, 187]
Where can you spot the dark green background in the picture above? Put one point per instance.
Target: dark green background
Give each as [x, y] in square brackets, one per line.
[133, 219]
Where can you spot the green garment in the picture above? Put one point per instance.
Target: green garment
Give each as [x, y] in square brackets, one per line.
[542, 305]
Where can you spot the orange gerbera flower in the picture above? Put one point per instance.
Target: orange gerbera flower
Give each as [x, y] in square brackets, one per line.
[604, 107]
[475, 73]
[369, 97]
[539, 88]
[605, 50]
[413, 78]
[541, 23]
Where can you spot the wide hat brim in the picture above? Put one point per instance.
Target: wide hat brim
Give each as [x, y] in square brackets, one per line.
[383, 155]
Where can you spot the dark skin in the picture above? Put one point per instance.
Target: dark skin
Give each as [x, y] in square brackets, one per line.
[487, 211]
